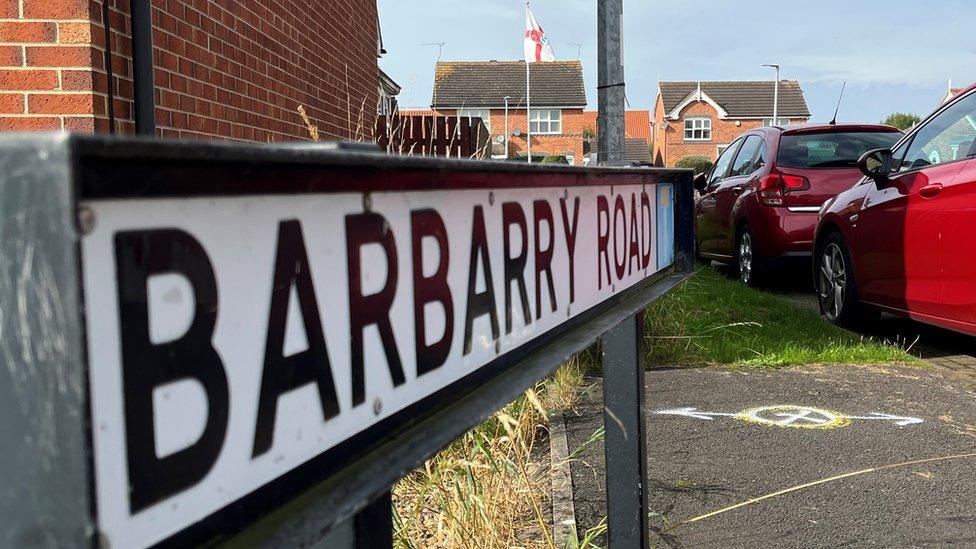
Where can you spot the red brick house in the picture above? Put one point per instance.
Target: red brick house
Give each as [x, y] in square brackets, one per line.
[702, 118]
[637, 135]
[231, 69]
[478, 89]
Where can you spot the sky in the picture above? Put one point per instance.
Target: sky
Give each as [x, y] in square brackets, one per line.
[895, 55]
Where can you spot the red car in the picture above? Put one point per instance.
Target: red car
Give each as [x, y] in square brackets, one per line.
[903, 239]
[760, 200]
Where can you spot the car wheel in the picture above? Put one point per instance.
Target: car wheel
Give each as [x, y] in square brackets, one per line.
[836, 291]
[748, 264]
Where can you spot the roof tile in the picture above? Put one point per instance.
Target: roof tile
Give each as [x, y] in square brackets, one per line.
[741, 98]
[486, 83]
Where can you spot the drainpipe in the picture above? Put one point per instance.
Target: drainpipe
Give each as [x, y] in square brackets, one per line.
[142, 67]
[506, 126]
[107, 24]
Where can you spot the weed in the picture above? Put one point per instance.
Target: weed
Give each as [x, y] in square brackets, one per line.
[313, 130]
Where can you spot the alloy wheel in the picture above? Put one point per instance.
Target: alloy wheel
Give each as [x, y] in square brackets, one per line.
[832, 281]
[745, 257]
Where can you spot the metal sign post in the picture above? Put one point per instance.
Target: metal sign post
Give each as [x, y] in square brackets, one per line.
[623, 419]
[251, 344]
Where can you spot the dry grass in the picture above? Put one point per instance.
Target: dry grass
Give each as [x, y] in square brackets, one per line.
[486, 490]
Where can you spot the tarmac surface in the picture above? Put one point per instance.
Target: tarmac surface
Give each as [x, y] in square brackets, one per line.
[731, 435]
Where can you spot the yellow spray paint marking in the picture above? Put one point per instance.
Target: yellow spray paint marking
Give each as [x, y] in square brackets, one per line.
[797, 417]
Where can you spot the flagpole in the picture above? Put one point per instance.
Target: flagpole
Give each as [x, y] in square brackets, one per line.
[528, 105]
[528, 111]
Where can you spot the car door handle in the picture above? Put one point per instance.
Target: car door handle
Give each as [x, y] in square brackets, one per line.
[738, 190]
[930, 191]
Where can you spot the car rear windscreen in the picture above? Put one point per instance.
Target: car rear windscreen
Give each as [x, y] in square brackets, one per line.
[830, 150]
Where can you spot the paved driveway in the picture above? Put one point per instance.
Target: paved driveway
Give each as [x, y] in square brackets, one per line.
[729, 436]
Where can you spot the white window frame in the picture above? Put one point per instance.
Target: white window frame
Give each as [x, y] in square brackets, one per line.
[483, 114]
[719, 149]
[782, 121]
[701, 124]
[546, 121]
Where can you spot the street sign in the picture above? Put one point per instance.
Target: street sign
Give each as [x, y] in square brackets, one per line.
[253, 321]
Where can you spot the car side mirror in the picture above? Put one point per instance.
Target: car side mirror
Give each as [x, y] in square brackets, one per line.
[700, 182]
[876, 164]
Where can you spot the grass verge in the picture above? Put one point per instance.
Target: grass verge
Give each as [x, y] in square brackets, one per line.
[714, 320]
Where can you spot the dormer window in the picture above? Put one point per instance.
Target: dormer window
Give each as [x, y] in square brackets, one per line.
[698, 129]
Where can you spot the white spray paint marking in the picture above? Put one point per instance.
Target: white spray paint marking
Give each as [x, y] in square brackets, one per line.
[808, 416]
[899, 420]
[792, 416]
[691, 412]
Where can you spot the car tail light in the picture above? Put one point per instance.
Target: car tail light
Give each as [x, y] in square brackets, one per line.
[774, 186]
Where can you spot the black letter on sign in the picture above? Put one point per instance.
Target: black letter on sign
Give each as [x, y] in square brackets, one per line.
[479, 303]
[648, 231]
[571, 242]
[146, 366]
[634, 249]
[282, 374]
[366, 310]
[433, 289]
[543, 258]
[515, 266]
[603, 239]
[619, 262]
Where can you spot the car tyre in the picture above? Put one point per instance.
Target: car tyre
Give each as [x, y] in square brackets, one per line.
[747, 263]
[836, 289]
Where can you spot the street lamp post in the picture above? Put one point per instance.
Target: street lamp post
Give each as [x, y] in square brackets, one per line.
[664, 156]
[775, 93]
[507, 97]
[611, 98]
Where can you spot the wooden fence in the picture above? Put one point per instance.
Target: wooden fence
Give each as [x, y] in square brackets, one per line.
[448, 136]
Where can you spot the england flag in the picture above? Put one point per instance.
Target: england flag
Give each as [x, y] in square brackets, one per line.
[537, 46]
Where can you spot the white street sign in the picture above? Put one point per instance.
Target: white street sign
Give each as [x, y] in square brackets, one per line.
[233, 339]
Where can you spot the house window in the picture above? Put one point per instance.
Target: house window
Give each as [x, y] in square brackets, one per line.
[721, 149]
[779, 122]
[483, 114]
[546, 121]
[698, 129]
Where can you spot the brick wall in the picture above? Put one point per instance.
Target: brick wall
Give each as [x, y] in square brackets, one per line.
[570, 141]
[232, 69]
[671, 146]
[657, 143]
[52, 62]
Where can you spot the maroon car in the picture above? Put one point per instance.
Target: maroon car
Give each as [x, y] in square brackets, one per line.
[760, 200]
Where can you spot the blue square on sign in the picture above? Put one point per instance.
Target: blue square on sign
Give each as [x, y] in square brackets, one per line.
[665, 225]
